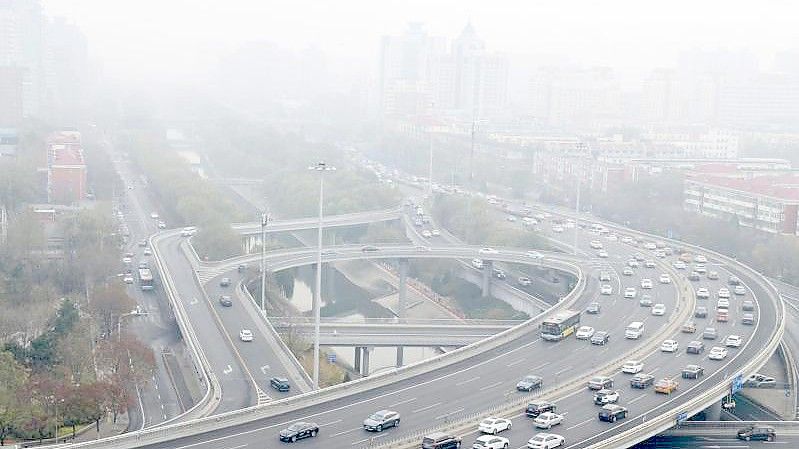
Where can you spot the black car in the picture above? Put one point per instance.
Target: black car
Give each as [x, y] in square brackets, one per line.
[694, 276]
[241, 268]
[733, 280]
[225, 300]
[765, 433]
[748, 318]
[536, 408]
[280, 384]
[224, 282]
[642, 380]
[612, 412]
[600, 338]
[441, 440]
[369, 249]
[701, 312]
[695, 347]
[298, 431]
[747, 306]
[593, 308]
[692, 372]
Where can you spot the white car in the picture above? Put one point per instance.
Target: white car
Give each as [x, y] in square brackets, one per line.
[724, 293]
[154, 215]
[733, 341]
[650, 245]
[488, 251]
[627, 239]
[427, 234]
[128, 280]
[629, 292]
[494, 425]
[435, 232]
[717, 353]
[595, 244]
[665, 279]
[245, 335]
[739, 290]
[702, 293]
[477, 263]
[161, 225]
[511, 218]
[723, 303]
[646, 283]
[632, 263]
[545, 441]
[632, 367]
[557, 229]
[612, 237]
[659, 309]
[606, 289]
[147, 252]
[627, 271]
[548, 419]
[188, 231]
[584, 333]
[535, 255]
[669, 346]
[127, 259]
[700, 259]
[649, 263]
[680, 265]
[602, 254]
[490, 442]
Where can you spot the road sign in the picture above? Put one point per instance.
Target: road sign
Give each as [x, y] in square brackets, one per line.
[331, 357]
[682, 417]
[737, 383]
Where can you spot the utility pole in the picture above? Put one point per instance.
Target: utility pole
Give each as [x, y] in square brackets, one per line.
[265, 219]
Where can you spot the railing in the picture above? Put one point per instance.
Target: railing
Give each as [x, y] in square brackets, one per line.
[286, 320]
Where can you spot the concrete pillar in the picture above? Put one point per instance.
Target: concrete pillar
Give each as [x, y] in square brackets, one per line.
[400, 356]
[713, 412]
[358, 351]
[330, 287]
[488, 268]
[403, 288]
[365, 365]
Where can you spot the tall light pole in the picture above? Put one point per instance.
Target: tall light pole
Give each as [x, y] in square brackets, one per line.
[265, 219]
[320, 167]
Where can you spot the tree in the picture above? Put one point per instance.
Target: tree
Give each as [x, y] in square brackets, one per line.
[12, 379]
[108, 303]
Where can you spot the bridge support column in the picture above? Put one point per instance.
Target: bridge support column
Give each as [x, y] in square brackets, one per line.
[713, 412]
[365, 365]
[488, 269]
[400, 356]
[330, 287]
[357, 359]
[402, 303]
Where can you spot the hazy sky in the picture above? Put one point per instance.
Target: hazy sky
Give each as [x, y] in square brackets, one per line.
[145, 37]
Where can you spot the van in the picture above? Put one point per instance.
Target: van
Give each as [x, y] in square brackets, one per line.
[440, 440]
[634, 330]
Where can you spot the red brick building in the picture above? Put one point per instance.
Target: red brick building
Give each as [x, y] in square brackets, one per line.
[66, 180]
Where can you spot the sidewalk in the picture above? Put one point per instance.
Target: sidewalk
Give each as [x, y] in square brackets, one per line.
[107, 429]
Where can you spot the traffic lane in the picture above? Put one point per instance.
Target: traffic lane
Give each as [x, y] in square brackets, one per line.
[237, 392]
[720, 441]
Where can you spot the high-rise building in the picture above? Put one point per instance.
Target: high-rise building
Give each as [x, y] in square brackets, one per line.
[23, 56]
[575, 97]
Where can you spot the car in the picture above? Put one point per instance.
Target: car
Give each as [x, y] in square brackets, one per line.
[632, 263]
[701, 269]
[717, 353]
[188, 231]
[733, 341]
[713, 275]
[661, 254]
[605, 396]
[604, 276]
[127, 259]
[758, 380]
[427, 234]
[739, 290]
[280, 384]
[749, 433]
[381, 420]
[645, 301]
[602, 254]
[650, 245]
[733, 280]
[499, 273]
[669, 346]
[127, 279]
[557, 229]
[536, 408]
[435, 233]
[646, 284]
[440, 440]
[241, 268]
[685, 257]
[147, 252]
[665, 386]
[606, 289]
[612, 237]
[632, 367]
[627, 271]
[161, 224]
[627, 239]
[545, 441]
[664, 279]
[659, 309]
[680, 265]
[702, 293]
[642, 380]
[493, 425]
[245, 335]
[693, 372]
[369, 249]
[225, 301]
[709, 333]
[747, 306]
[142, 243]
[748, 318]
[524, 281]
[649, 263]
[695, 347]
[154, 215]
[700, 312]
[511, 218]
[224, 282]
[584, 332]
[488, 251]
[529, 383]
[595, 244]
[593, 308]
[547, 420]
[535, 255]
[688, 327]
[490, 442]
[722, 316]
[600, 382]
[694, 276]
[478, 263]
[600, 338]
[298, 431]
[700, 258]
[629, 292]
[612, 413]
[724, 293]
[723, 303]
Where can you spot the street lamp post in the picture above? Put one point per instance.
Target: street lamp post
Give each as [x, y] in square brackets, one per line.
[320, 167]
[265, 219]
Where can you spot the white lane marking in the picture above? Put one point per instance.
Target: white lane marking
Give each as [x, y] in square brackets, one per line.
[234, 447]
[490, 386]
[344, 432]
[228, 369]
[193, 301]
[329, 423]
[463, 382]
[515, 363]
[426, 408]
[402, 402]
[579, 424]
[360, 441]
[264, 368]
[557, 373]
[637, 398]
[450, 413]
